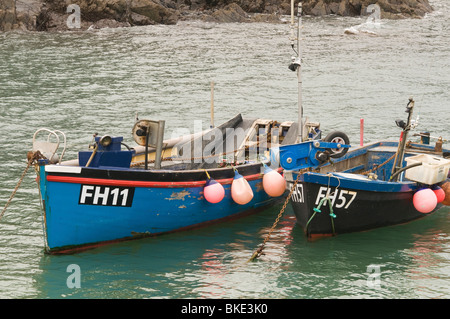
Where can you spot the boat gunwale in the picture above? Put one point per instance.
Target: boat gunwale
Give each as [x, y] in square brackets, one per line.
[356, 183]
[359, 184]
[156, 178]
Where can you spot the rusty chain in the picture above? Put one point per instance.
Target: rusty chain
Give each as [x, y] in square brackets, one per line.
[258, 252]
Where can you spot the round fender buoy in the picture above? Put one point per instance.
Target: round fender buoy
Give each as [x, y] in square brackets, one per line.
[446, 188]
[425, 200]
[213, 191]
[273, 183]
[241, 192]
[439, 192]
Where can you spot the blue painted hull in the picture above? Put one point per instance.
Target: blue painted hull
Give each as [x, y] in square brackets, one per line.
[86, 208]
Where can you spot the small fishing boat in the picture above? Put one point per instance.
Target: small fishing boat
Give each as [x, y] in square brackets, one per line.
[379, 184]
[336, 188]
[113, 192]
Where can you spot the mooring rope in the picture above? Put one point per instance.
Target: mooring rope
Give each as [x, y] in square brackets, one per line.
[378, 166]
[32, 157]
[330, 203]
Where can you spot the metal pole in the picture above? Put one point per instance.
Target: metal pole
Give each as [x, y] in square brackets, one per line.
[159, 144]
[361, 132]
[398, 163]
[212, 105]
[299, 75]
[147, 134]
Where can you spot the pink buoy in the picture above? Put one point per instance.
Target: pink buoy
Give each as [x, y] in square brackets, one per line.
[425, 200]
[273, 183]
[213, 191]
[440, 194]
[241, 192]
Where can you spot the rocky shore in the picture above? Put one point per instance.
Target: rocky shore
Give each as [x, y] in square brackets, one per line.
[58, 15]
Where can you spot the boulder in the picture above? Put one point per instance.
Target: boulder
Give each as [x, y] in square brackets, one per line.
[389, 9]
[97, 14]
[230, 13]
[139, 19]
[7, 15]
[155, 12]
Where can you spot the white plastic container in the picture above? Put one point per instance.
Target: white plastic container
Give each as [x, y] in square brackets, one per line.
[433, 169]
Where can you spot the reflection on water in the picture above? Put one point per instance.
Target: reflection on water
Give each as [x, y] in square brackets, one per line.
[429, 271]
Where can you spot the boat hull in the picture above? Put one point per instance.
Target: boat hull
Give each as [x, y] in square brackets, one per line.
[86, 208]
[357, 205]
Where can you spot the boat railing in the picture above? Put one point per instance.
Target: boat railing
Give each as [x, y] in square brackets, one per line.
[50, 146]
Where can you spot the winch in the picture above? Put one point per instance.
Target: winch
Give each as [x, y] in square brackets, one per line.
[309, 154]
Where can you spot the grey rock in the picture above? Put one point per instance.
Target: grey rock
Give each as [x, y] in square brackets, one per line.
[7, 15]
[52, 14]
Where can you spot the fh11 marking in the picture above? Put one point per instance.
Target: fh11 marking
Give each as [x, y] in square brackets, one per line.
[106, 195]
[339, 198]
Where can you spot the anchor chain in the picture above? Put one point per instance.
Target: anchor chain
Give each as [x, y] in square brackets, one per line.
[258, 252]
[32, 158]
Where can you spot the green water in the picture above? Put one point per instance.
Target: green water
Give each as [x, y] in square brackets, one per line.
[82, 83]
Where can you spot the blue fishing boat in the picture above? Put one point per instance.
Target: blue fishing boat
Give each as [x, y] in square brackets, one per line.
[113, 192]
[337, 188]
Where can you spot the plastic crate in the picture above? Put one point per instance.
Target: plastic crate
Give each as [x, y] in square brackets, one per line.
[432, 171]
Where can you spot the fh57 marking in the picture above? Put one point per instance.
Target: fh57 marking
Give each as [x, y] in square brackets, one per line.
[339, 198]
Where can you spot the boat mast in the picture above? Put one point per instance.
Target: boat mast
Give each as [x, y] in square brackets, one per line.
[398, 162]
[296, 64]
